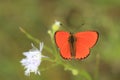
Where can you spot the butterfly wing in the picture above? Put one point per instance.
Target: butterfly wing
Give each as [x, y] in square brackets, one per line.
[84, 41]
[61, 39]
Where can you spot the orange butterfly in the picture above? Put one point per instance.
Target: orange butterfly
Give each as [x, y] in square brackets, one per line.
[75, 45]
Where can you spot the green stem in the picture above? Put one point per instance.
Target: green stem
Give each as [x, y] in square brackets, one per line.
[96, 76]
[29, 36]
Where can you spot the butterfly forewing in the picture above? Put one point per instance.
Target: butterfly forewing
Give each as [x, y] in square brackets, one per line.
[61, 39]
[84, 41]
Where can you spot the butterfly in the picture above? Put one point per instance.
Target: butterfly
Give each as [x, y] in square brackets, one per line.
[75, 46]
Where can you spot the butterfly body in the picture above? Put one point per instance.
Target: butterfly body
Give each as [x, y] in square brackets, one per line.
[72, 41]
[75, 46]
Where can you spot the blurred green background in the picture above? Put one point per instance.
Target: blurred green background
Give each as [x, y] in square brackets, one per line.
[37, 16]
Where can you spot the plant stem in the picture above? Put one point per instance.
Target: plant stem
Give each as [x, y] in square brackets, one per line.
[29, 36]
[96, 74]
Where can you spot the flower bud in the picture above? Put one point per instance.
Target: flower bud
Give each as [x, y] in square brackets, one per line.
[56, 26]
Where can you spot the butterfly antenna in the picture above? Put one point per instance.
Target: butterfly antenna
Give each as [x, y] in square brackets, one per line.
[82, 25]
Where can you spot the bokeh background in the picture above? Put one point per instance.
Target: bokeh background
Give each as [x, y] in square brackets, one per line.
[37, 16]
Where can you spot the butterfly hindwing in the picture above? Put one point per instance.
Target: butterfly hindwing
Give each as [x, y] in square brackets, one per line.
[61, 39]
[84, 41]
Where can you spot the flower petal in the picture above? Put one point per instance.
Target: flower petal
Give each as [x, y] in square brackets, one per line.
[32, 60]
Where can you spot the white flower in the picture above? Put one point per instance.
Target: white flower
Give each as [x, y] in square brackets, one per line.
[32, 60]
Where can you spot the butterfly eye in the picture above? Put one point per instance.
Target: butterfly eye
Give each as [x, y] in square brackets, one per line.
[61, 24]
